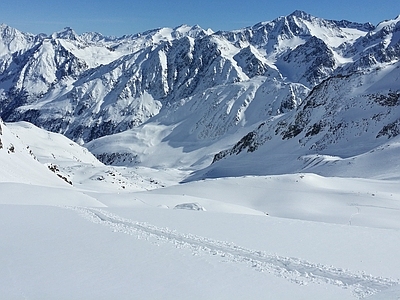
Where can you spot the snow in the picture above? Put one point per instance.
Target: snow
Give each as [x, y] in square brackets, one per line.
[93, 55]
[52, 146]
[385, 23]
[28, 194]
[331, 36]
[287, 221]
[290, 236]
[160, 253]
[102, 263]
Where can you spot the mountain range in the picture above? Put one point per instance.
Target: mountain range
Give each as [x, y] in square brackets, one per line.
[282, 96]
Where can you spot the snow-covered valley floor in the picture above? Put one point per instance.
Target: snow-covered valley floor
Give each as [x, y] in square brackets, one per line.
[278, 237]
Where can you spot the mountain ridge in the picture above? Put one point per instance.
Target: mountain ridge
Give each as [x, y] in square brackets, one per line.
[222, 85]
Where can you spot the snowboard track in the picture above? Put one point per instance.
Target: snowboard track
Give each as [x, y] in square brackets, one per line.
[293, 269]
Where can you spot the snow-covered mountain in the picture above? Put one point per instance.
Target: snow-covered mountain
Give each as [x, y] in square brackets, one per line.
[194, 93]
[345, 122]
[229, 165]
[34, 156]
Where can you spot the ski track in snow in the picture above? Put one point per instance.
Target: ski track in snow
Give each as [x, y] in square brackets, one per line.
[293, 269]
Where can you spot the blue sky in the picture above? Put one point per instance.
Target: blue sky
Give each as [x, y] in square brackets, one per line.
[119, 17]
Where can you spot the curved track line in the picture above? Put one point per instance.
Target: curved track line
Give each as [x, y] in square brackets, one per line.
[296, 270]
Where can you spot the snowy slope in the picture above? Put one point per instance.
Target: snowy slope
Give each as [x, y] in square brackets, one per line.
[24, 180]
[78, 166]
[286, 236]
[190, 132]
[19, 164]
[290, 236]
[226, 251]
[347, 126]
[49, 147]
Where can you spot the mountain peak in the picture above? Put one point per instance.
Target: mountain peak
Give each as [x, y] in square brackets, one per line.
[66, 33]
[3, 26]
[191, 31]
[96, 37]
[300, 14]
[12, 40]
[6, 30]
[386, 23]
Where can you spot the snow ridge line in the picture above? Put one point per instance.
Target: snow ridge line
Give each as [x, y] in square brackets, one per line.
[293, 269]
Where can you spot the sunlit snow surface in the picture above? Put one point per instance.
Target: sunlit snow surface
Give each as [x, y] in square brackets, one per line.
[300, 116]
[115, 233]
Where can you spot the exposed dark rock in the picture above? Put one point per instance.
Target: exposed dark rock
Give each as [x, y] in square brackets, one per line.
[391, 99]
[390, 130]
